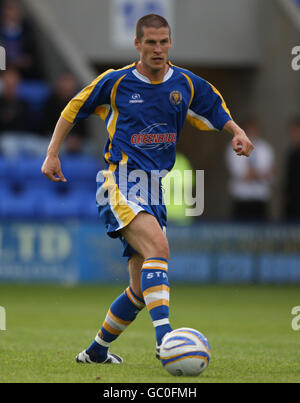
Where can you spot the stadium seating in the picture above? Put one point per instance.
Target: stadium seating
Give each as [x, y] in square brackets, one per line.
[16, 204]
[80, 169]
[25, 192]
[4, 168]
[35, 93]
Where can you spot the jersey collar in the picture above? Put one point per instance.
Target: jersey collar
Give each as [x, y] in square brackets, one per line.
[145, 79]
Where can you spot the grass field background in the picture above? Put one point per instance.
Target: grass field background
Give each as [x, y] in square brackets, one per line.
[248, 327]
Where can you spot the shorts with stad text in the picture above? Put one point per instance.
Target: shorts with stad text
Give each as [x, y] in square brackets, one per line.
[123, 193]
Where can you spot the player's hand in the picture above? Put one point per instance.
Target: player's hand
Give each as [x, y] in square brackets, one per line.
[241, 144]
[52, 170]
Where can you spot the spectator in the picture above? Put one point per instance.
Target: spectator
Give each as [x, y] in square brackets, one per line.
[250, 178]
[292, 173]
[14, 112]
[18, 40]
[64, 89]
[15, 134]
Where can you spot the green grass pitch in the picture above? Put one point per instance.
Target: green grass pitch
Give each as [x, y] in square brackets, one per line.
[248, 327]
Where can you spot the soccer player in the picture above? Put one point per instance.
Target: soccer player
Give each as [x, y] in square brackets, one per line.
[144, 106]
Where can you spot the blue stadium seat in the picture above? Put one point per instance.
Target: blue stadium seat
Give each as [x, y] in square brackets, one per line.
[25, 172]
[61, 205]
[5, 167]
[35, 93]
[23, 200]
[25, 192]
[28, 169]
[81, 167]
[88, 204]
[8, 174]
[44, 202]
[17, 204]
[4, 191]
[80, 172]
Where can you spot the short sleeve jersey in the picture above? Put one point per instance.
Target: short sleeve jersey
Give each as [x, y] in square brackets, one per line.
[143, 118]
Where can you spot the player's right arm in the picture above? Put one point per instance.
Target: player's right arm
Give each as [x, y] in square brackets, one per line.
[51, 167]
[92, 99]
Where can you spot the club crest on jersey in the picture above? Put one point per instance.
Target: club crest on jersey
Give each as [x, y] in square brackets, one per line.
[175, 97]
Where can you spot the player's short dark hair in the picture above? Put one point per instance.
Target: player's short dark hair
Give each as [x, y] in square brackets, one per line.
[151, 20]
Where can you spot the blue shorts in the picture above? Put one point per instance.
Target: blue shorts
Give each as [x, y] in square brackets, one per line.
[122, 193]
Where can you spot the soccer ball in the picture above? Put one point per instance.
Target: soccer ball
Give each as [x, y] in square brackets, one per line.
[185, 351]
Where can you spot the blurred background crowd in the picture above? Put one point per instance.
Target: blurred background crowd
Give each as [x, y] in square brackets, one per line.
[31, 101]
[32, 97]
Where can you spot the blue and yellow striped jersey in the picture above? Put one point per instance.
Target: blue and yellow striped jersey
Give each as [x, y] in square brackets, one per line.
[143, 118]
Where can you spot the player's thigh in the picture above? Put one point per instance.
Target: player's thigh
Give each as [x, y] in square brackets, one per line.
[145, 235]
[135, 264]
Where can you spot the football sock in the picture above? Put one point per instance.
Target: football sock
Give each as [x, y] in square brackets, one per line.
[121, 313]
[156, 290]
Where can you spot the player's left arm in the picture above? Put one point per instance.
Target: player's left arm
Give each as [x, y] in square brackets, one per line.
[240, 142]
[208, 111]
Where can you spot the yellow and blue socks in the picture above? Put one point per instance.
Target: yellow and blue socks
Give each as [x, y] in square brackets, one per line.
[156, 292]
[123, 311]
[121, 314]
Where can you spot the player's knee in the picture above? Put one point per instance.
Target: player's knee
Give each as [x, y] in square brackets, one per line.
[161, 248]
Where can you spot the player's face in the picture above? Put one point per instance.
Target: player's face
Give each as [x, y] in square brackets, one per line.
[154, 47]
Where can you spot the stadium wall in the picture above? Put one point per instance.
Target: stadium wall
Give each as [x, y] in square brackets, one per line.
[72, 252]
[209, 32]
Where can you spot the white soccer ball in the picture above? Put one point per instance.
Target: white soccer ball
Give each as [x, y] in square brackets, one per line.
[185, 351]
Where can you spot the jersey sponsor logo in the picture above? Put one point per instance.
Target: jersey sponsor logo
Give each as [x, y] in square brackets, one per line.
[154, 136]
[175, 97]
[136, 99]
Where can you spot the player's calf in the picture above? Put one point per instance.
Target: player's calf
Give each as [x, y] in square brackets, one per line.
[156, 290]
[120, 315]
